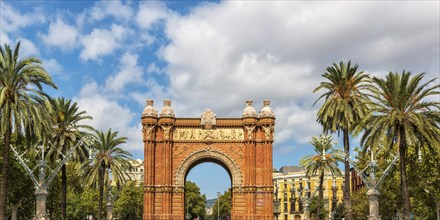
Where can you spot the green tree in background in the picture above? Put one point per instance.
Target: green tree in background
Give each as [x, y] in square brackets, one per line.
[108, 158]
[324, 160]
[402, 118]
[66, 130]
[129, 204]
[345, 105]
[194, 200]
[21, 104]
[225, 206]
[359, 200]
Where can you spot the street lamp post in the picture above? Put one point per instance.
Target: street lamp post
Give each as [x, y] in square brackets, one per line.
[372, 184]
[305, 199]
[218, 205]
[42, 183]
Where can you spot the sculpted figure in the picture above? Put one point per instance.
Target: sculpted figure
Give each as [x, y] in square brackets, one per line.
[147, 131]
[268, 131]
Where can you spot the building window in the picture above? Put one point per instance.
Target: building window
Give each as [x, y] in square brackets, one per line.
[292, 206]
[285, 207]
[285, 217]
[285, 196]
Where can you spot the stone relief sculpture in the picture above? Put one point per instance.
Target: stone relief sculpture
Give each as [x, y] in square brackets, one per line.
[147, 131]
[268, 130]
[250, 131]
[208, 119]
[203, 134]
[166, 131]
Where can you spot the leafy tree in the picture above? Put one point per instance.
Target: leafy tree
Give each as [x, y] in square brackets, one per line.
[424, 183]
[21, 193]
[403, 118]
[129, 204]
[325, 160]
[360, 204]
[345, 105]
[108, 158]
[315, 208]
[21, 103]
[225, 206]
[194, 200]
[66, 130]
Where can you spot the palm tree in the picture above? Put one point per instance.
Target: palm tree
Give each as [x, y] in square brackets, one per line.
[324, 161]
[66, 130]
[108, 158]
[345, 105]
[401, 118]
[21, 103]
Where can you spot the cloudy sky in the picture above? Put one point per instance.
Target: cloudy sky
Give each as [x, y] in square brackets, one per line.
[110, 56]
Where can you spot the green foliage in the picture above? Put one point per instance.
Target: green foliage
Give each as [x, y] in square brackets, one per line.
[225, 206]
[65, 132]
[346, 100]
[314, 209]
[194, 200]
[21, 193]
[129, 204]
[345, 105]
[401, 119]
[21, 105]
[325, 160]
[81, 200]
[79, 205]
[109, 159]
[360, 208]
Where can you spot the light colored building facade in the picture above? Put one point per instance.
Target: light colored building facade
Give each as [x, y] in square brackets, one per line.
[136, 171]
[291, 181]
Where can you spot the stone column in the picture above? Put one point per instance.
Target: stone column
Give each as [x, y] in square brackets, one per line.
[373, 200]
[307, 210]
[109, 211]
[149, 126]
[41, 195]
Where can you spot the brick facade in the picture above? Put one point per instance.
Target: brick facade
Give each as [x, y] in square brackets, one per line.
[173, 146]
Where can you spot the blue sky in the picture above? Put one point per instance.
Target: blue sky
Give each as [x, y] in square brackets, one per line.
[110, 56]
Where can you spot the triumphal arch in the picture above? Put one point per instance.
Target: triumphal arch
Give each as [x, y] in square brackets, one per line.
[173, 146]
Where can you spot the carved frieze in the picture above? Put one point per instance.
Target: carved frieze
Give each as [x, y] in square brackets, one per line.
[196, 134]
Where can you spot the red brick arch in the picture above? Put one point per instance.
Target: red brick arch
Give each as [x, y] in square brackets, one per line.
[172, 146]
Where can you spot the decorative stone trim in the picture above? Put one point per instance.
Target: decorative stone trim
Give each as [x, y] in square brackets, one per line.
[237, 177]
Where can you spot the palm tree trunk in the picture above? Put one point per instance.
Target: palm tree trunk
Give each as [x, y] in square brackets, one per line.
[5, 166]
[101, 192]
[347, 202]
[63, 192]
[321, 194]
[403, 183]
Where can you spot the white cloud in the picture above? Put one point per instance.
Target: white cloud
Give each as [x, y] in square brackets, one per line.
[221, 54]
[102, 42]
[150, 12]
[61, 35]
[116, 9]
[12, 20]
[108, 113]
[52, 66]
[27, 48]
[4, 39]
[129, 72]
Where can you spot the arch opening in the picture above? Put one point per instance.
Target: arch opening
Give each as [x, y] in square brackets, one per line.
[209, 155]
[206, 181]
